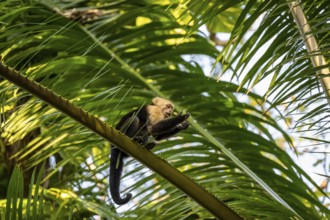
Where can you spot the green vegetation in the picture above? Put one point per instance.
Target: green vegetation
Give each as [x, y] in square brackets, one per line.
[107, 57]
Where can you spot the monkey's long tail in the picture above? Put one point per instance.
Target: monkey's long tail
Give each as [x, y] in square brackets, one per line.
[116, 168]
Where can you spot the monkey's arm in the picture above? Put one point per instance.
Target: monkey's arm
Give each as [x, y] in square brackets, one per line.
[183, 126]
[159, 132]
[169, 125]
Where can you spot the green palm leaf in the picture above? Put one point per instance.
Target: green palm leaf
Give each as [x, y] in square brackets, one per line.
[110, 65]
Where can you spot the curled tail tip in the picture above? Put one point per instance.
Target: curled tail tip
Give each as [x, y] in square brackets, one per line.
[122, 201]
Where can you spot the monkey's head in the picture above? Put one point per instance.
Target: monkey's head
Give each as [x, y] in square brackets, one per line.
[164, 105]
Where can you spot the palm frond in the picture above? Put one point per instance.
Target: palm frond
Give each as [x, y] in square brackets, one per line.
[111, 64]
[211, 203]
[283, 59]
[16, 204]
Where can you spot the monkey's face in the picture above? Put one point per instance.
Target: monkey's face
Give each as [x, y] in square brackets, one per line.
[167, 110]
[164, 105]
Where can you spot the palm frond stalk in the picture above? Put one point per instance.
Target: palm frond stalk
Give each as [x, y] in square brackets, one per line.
[312, 46]
[209, 201]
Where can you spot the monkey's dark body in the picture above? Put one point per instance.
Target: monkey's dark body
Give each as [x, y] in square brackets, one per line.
[135, 125]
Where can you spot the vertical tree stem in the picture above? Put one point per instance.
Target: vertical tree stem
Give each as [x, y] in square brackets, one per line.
[313, 49]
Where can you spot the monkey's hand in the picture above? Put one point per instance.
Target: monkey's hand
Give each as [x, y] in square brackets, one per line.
[183, 126]
[184, 116]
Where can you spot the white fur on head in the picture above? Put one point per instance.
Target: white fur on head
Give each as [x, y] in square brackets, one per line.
[164, 105]
[161, 101]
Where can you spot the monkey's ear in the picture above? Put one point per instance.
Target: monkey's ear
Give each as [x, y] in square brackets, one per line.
[155, 100]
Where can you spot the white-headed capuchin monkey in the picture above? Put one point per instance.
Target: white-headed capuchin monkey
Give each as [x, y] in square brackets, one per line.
[150, 120]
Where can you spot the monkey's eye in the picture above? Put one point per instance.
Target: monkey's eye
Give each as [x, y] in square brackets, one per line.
[168, 106]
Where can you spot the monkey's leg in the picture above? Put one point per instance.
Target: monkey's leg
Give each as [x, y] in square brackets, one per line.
[131, 126]
[150, 146]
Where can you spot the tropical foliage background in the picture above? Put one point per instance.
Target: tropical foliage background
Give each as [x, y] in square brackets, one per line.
[108, 57]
